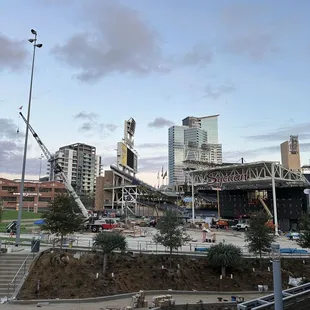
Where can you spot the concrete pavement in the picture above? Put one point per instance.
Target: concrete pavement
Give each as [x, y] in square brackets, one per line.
[120, 303]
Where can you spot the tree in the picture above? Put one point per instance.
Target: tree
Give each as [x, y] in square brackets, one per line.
[224, 256]
[170, 234]
[259, 235]
[61, 218]
[108, 242]
[304, 239]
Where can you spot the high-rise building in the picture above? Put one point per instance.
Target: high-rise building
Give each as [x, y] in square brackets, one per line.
[176, 152]
[290, 155]
[81, 166]
[191, 142]
[207, 123]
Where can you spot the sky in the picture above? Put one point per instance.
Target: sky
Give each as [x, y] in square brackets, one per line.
[157, 61]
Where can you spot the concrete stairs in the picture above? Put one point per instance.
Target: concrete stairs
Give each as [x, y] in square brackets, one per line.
[9, 265]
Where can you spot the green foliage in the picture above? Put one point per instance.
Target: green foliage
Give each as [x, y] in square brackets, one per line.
[61, 218]
[304, 239]
[259, 235]
[224, 255]
[170, 234]
[108, 242]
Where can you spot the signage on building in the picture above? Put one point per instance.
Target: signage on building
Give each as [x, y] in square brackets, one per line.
[220, 180]
[26, 194]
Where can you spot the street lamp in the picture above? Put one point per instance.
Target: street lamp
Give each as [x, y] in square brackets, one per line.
[33, 41]
[277, 277]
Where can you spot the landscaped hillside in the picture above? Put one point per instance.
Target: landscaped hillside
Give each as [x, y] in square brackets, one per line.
[77, 277]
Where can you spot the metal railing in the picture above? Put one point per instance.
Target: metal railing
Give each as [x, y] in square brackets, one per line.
[22, 272]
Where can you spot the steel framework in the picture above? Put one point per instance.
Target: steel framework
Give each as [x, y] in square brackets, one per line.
[125, 194]
[245, 176]
[246, 173]
[290, 297]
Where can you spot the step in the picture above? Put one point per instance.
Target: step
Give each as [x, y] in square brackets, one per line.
[20, 259]
[9, 278]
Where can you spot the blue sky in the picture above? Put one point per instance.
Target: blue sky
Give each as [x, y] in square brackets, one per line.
[249, 61]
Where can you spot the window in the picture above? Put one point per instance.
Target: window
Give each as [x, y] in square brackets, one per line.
[9, 188]
[28, 198]
[9, 199]
[60, 190]
[45, 190]
[45, 199]
[29, 189]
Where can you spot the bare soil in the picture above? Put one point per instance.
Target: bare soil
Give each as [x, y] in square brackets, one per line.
[76, 278]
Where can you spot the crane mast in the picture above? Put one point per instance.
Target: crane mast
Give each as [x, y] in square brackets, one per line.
[58, 170]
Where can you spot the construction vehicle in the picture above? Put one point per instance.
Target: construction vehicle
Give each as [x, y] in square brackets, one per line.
[270, 221]
[244, 221]
[92, 223]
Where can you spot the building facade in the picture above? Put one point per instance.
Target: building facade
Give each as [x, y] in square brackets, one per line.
[196, 140]
[81, 165]
[176, 154]
[290, 154]
[207, 123]
[37, 195]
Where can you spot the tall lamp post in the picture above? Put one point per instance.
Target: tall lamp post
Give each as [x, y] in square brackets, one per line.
[33, 41]
[277, 277]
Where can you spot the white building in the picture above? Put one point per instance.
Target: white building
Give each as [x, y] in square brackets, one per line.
[196, 140]
[81, 165]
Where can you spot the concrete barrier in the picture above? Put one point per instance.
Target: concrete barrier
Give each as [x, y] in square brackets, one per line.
[129, 295]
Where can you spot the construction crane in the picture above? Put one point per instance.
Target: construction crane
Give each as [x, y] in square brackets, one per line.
[58, 170]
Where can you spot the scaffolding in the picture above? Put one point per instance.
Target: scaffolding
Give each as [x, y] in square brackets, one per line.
[125, 193]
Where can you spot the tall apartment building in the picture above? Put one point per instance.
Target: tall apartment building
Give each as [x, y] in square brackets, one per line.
[196, 140]
[207, 123]
[290, 155]
[80, 164]
[176, 154]
[189, 144]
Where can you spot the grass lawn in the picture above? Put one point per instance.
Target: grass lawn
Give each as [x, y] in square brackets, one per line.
[4, 225]
[12, 215]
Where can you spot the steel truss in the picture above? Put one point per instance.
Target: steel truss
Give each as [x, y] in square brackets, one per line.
[250, 172]
[124, 194]
[290, 297]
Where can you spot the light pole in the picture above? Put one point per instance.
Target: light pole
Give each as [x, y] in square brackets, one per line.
[277, 277]
[33, 41]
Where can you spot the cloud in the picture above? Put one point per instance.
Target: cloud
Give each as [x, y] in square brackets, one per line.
[8, 129]
[283, 134]
[249, 30]
[11, 150]
[160, 122]
[151, 145]
[86, 116]
[13, 54]
[148, 164]
[200, 55]
[92, 125]
[219, 91]
[117, 40]
[234, 156]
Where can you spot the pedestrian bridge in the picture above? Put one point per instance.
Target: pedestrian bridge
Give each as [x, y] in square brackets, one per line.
[293, 299]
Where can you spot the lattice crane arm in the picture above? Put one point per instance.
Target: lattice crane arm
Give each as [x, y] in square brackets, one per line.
[44, 149]
[58, 170]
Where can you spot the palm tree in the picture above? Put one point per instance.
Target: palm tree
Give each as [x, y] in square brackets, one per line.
[223, 256]
[108, 242]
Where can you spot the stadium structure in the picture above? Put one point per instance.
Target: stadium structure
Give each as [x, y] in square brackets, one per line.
[242, 189]
[121, 190]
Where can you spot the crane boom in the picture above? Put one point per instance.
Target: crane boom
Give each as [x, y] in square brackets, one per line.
[58, 170]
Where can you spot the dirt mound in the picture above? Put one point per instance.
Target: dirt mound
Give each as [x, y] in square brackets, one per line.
[66, 276]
